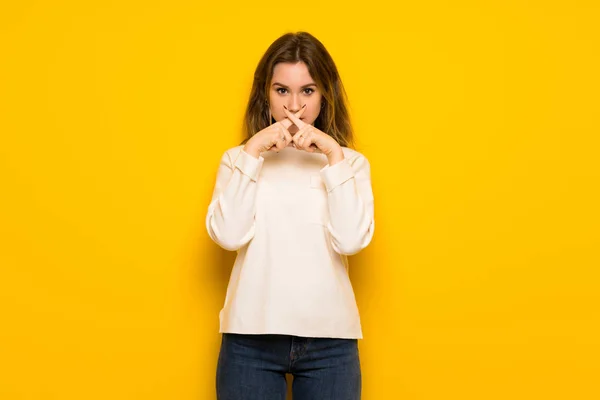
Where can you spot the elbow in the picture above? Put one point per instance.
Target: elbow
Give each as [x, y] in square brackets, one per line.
[231, 239]
[350, 248]
[230, 242]
[229, 245]
[351, 244]
[347, 250]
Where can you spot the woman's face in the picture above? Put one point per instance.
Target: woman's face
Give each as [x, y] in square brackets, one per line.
[293, 87]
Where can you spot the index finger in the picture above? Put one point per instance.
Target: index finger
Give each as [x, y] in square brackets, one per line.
[297, 121]
[287, 122]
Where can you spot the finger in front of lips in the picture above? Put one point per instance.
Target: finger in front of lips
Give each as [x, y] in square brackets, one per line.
[287, 122]
[297, 121]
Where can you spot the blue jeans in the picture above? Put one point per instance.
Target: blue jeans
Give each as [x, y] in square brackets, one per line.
[253, 367]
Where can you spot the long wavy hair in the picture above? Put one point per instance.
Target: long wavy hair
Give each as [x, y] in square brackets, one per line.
[301, 46]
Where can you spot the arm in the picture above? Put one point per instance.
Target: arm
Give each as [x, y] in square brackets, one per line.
[230, 217]
[350, 202]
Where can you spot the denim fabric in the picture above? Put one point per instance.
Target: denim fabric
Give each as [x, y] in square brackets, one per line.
[253, 367]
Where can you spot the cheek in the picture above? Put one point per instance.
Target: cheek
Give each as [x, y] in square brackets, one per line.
[313, 111]
[276, 107]
[316, 107]
[276, 104]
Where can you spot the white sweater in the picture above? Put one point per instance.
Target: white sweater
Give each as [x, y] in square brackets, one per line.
[293, 219]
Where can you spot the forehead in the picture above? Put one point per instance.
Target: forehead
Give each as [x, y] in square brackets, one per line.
[291, 74]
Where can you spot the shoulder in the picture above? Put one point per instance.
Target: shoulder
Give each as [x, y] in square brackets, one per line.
[229, 155]
[354, 157]
[348, 152]
[234, 151]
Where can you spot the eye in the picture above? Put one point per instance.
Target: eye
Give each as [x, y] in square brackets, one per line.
[306, 91]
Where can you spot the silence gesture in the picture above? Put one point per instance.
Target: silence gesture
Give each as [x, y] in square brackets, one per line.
[313, 140]
[272, 138]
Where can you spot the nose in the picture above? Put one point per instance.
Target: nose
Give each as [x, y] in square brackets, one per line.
[294, 103]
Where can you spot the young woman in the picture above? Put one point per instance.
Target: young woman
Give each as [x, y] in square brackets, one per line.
[294, 200]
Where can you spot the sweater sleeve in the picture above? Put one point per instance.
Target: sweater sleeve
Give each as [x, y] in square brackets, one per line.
[350, 202]
[230, 218]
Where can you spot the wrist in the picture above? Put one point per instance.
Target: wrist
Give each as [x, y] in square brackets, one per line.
[335, 156]
[251, 151]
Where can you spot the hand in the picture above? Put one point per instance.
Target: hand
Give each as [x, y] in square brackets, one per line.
[313, 140]
[272, 138]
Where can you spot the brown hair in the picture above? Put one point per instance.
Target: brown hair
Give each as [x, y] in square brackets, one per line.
[333, 118]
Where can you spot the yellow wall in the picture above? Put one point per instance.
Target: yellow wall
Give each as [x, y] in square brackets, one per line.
[481, 125]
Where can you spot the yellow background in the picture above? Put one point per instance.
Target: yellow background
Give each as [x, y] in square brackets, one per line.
[481, 122]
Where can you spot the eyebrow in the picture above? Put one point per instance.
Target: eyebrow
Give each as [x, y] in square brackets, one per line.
[287, 87]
